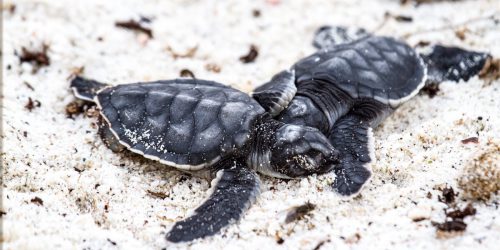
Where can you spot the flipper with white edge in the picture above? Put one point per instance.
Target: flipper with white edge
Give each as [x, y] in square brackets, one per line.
[275, 95]
[352, 136]
[86, 89]
[233, 191]
[452, 63]
[329, 36]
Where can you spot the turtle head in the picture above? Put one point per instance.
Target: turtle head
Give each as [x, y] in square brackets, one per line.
[299, 151]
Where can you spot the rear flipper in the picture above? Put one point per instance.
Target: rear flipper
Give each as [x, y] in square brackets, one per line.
[86, 89]
[328, 36]
[452, 64]
[234, 189]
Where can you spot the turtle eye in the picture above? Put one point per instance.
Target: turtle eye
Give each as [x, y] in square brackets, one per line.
[317, 156]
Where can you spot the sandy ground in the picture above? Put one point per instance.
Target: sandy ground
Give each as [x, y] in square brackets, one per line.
[62, 188]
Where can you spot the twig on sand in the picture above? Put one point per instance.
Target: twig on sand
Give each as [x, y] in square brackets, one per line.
[493, 17]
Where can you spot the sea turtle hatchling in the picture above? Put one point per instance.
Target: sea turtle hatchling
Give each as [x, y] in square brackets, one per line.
[351, 84]
[209, 129]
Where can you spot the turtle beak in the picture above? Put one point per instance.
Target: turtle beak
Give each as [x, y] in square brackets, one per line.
[330, 161]
[334, 157]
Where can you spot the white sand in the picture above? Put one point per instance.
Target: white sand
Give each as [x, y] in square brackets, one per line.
[418, 148]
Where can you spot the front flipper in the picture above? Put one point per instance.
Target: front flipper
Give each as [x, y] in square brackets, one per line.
[233, 191]
[352, 136]
[275, 95]
[329, 36]
[452, 64]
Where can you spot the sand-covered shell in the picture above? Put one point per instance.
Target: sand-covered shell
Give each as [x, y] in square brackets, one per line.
[185, 124]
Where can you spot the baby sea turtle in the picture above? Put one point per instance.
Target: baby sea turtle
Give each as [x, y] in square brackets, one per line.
[209, 129]
[351, 84]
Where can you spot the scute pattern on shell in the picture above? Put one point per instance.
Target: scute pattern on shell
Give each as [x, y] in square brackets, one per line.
[372, 67]
[185, 122]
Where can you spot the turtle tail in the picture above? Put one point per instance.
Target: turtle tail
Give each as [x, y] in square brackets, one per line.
[86, 89]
